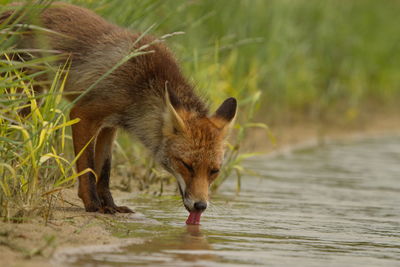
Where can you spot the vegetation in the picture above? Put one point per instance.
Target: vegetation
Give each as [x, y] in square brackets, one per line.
[311, 59]
[303, 60]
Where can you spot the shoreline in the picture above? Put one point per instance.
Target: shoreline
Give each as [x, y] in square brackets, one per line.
[71, 230]
[301, 135]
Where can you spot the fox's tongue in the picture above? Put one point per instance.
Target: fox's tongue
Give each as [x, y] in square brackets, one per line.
[194, 217]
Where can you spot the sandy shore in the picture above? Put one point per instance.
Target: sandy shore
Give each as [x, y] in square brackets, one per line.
[291, 137]
[70, 230]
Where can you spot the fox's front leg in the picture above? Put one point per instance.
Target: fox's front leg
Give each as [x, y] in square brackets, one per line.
[84, 132]
[103, 151]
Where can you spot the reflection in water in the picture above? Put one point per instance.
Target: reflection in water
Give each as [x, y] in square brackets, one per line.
[332, 206]
[180, 246]
[194, 239]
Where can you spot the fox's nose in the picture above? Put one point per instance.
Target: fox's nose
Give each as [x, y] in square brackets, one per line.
[200, 206]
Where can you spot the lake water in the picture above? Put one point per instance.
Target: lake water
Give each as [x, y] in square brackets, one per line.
[337, 205]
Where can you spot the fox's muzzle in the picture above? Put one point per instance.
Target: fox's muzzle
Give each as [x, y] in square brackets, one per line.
[200, 205]
[191, 205]
[195, 193]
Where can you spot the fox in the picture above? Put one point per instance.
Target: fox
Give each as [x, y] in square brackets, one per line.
[147, 96]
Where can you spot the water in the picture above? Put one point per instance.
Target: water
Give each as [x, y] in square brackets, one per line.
[338, 205]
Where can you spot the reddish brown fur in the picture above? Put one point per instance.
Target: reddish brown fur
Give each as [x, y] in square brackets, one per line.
[132, 97]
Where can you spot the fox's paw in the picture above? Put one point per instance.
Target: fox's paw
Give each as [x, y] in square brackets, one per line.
[107, 210]
[124, 209]
[92, 207]
[114, 209]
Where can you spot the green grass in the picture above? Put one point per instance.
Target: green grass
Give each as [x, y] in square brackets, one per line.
[314, 60]
[285, 60]
[32, 149]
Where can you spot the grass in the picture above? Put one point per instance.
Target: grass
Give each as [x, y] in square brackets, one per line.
[32, 148]
[315, 60]
[286, 61]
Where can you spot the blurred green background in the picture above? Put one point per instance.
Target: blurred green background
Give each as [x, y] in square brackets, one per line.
[324, 61]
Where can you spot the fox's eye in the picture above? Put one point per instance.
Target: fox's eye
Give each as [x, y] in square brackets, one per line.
[214, 171]
[187, 166]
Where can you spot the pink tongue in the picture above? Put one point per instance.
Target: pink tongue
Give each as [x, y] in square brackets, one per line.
[194, 217]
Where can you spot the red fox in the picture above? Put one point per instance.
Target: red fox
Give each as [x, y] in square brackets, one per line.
[146, 96]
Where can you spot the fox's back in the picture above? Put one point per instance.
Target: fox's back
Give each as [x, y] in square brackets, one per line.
[95, 46]
[79, 28]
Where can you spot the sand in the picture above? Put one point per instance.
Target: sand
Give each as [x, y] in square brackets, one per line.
[69, 230]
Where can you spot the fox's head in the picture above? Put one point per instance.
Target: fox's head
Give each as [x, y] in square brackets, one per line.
[193, 149]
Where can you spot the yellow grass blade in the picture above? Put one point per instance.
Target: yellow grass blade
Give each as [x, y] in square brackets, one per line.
[74, 176]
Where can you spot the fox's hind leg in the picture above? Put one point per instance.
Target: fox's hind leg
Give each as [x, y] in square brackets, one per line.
[103, 151]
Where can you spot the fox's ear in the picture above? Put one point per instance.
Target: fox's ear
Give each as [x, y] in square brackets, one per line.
[172, 121]
[225, 113]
